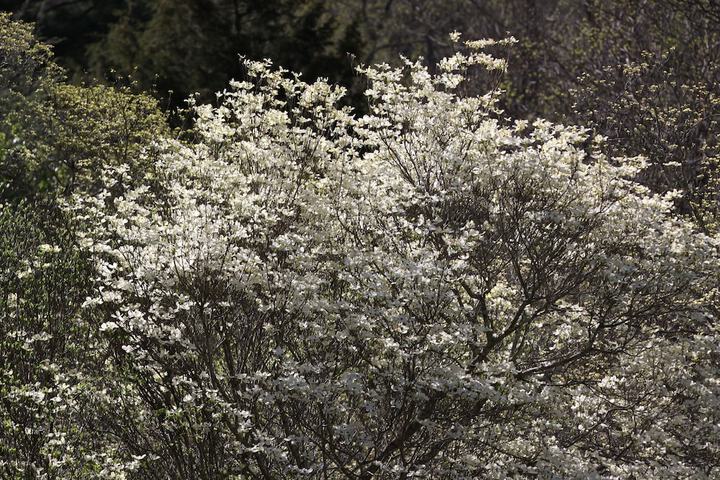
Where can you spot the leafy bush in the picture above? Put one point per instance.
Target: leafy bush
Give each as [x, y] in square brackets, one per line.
[57, 136]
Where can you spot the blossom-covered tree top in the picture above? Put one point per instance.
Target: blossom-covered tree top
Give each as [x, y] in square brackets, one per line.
[426, 291]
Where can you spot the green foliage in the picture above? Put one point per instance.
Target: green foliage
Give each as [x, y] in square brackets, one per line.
[26, 75]
[25, 63]
[61, 139]
[91, 127]
[57, 136]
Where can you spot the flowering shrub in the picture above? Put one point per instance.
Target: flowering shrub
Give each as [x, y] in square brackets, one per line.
[429, 290]
[47, 350]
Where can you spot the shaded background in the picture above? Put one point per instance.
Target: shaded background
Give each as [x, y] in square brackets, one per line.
[192, 46]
